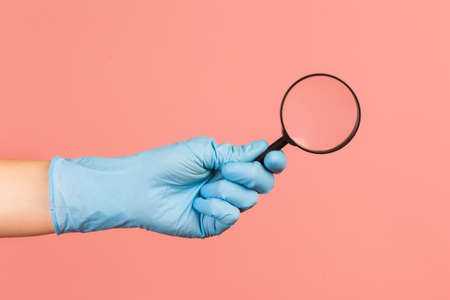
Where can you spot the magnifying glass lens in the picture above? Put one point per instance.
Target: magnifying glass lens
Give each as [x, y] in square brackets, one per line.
[319, 113]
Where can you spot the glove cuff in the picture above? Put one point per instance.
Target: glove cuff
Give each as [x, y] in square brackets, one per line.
[85, 196]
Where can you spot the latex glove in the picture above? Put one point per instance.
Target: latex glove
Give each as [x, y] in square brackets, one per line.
[194, 188]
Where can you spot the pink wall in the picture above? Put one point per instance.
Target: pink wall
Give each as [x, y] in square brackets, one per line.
[100, 78]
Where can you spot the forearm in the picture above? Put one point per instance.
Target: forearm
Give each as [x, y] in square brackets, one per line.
[195, 188]
[24, 198]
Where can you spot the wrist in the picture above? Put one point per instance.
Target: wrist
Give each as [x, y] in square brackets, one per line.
[87, 195]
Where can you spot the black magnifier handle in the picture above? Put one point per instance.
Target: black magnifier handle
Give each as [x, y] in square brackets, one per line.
[277, 145]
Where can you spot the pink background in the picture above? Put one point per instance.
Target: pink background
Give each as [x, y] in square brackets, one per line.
[111, 78]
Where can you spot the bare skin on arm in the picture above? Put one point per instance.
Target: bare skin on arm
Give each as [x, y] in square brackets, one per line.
[24, 201]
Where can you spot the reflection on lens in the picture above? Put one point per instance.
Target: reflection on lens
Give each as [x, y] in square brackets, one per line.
[319, 113]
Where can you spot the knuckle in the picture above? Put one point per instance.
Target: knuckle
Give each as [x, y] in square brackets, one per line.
[213, 210]
[251, 184]
[230, 217]
[235, 215]
[226, 150]
[221, 188]
[254, 174]
[237, 150]
[270, 185]
[252, 200]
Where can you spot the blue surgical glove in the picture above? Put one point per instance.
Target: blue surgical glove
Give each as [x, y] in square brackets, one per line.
[194, 188]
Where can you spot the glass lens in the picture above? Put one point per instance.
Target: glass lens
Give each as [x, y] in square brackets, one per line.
[319, 113]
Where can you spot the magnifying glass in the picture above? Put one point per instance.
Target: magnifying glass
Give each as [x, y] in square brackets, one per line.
[319, 113]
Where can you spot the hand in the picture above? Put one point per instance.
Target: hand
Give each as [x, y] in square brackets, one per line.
[195, 188]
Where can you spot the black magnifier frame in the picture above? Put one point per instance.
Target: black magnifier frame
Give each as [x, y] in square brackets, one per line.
[286, 139]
